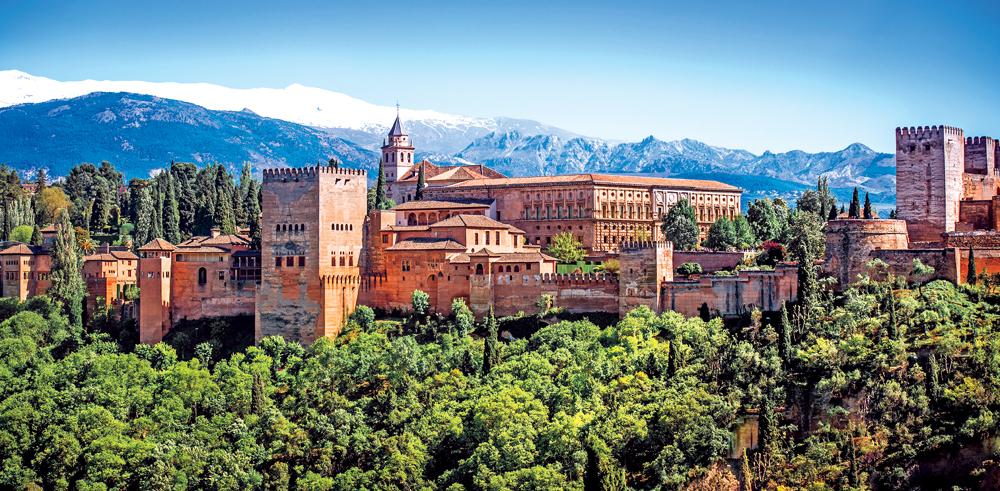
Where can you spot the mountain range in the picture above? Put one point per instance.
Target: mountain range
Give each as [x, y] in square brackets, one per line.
[142, 126]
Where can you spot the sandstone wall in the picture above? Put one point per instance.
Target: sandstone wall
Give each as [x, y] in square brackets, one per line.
[513, 293]
[851, 243]
[643, 268]
[975, 215]
[945, 261]
[732, 295]
[219, 296]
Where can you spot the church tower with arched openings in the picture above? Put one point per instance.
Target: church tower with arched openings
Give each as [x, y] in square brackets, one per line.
[397, 152]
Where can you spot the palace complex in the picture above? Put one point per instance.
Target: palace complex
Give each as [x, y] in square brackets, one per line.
[482, 237]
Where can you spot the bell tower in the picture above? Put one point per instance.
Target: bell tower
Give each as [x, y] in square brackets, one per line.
[397, 152]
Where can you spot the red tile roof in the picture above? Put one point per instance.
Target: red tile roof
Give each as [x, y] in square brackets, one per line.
[20, 249]
[158, 245]
[433, 204]
[474, 221]
[433, 172]
[426, 244]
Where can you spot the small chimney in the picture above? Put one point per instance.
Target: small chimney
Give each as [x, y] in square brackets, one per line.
[216, 231]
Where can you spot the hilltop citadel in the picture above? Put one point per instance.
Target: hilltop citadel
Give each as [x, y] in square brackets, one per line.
[480, 236]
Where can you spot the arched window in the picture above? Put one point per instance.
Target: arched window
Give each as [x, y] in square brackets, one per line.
[412, 219]
[479, 269]
[202, 276]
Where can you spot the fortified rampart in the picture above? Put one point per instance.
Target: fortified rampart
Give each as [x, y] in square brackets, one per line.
[732, 295]
[574, 292]
[945, 261]
[850, 244]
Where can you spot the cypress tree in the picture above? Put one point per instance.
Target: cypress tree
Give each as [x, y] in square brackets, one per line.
[592, 471]
[171, 213]
[36, 236]
[933, 378]
[842, 209]
[239, 205]
[833, 212]
[892, 213]
[257, 395]
[381, 200]
[970, 275]
[785, 337]
[491, 347]
[252, 206]
[67, 283]
[768, 425]
[868, 213]
[852, 455]
[420, 184]
[855, 210]
[673, 357]
[746, 477]
[144, 227]
[893, 322]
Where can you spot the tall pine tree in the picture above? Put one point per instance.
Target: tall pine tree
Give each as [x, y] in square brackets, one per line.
[68, 288]
[868, 212]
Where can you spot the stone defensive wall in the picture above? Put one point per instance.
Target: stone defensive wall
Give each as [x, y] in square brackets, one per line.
[945, 261]
[985, 245]
[850, 244]
[710, 261]
[577, 293]
[281, 174]
[732, 295]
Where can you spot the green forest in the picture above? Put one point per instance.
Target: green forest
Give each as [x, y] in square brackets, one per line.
[874, 388]
[888, 385]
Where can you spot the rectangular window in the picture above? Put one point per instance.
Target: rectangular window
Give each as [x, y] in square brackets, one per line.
[302, 261]
[498, 238]
[385, 238]
[290, 261]
[222, 275]
[277, 262]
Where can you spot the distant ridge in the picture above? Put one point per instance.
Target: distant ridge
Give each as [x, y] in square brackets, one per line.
[58, 124]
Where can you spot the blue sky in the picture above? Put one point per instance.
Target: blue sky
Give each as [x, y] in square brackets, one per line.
[755, 75]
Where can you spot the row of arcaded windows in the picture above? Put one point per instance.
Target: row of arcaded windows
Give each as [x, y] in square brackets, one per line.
[344, 260]
[290, 227]
[341, 226]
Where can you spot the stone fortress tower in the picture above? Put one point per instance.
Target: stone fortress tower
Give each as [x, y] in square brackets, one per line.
[930, 162]
[311, 243]
[397, 152]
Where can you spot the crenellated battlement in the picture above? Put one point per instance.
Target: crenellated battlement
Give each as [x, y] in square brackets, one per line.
[985, 141]
[308, 173]
[645, 244]
[927, 132]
